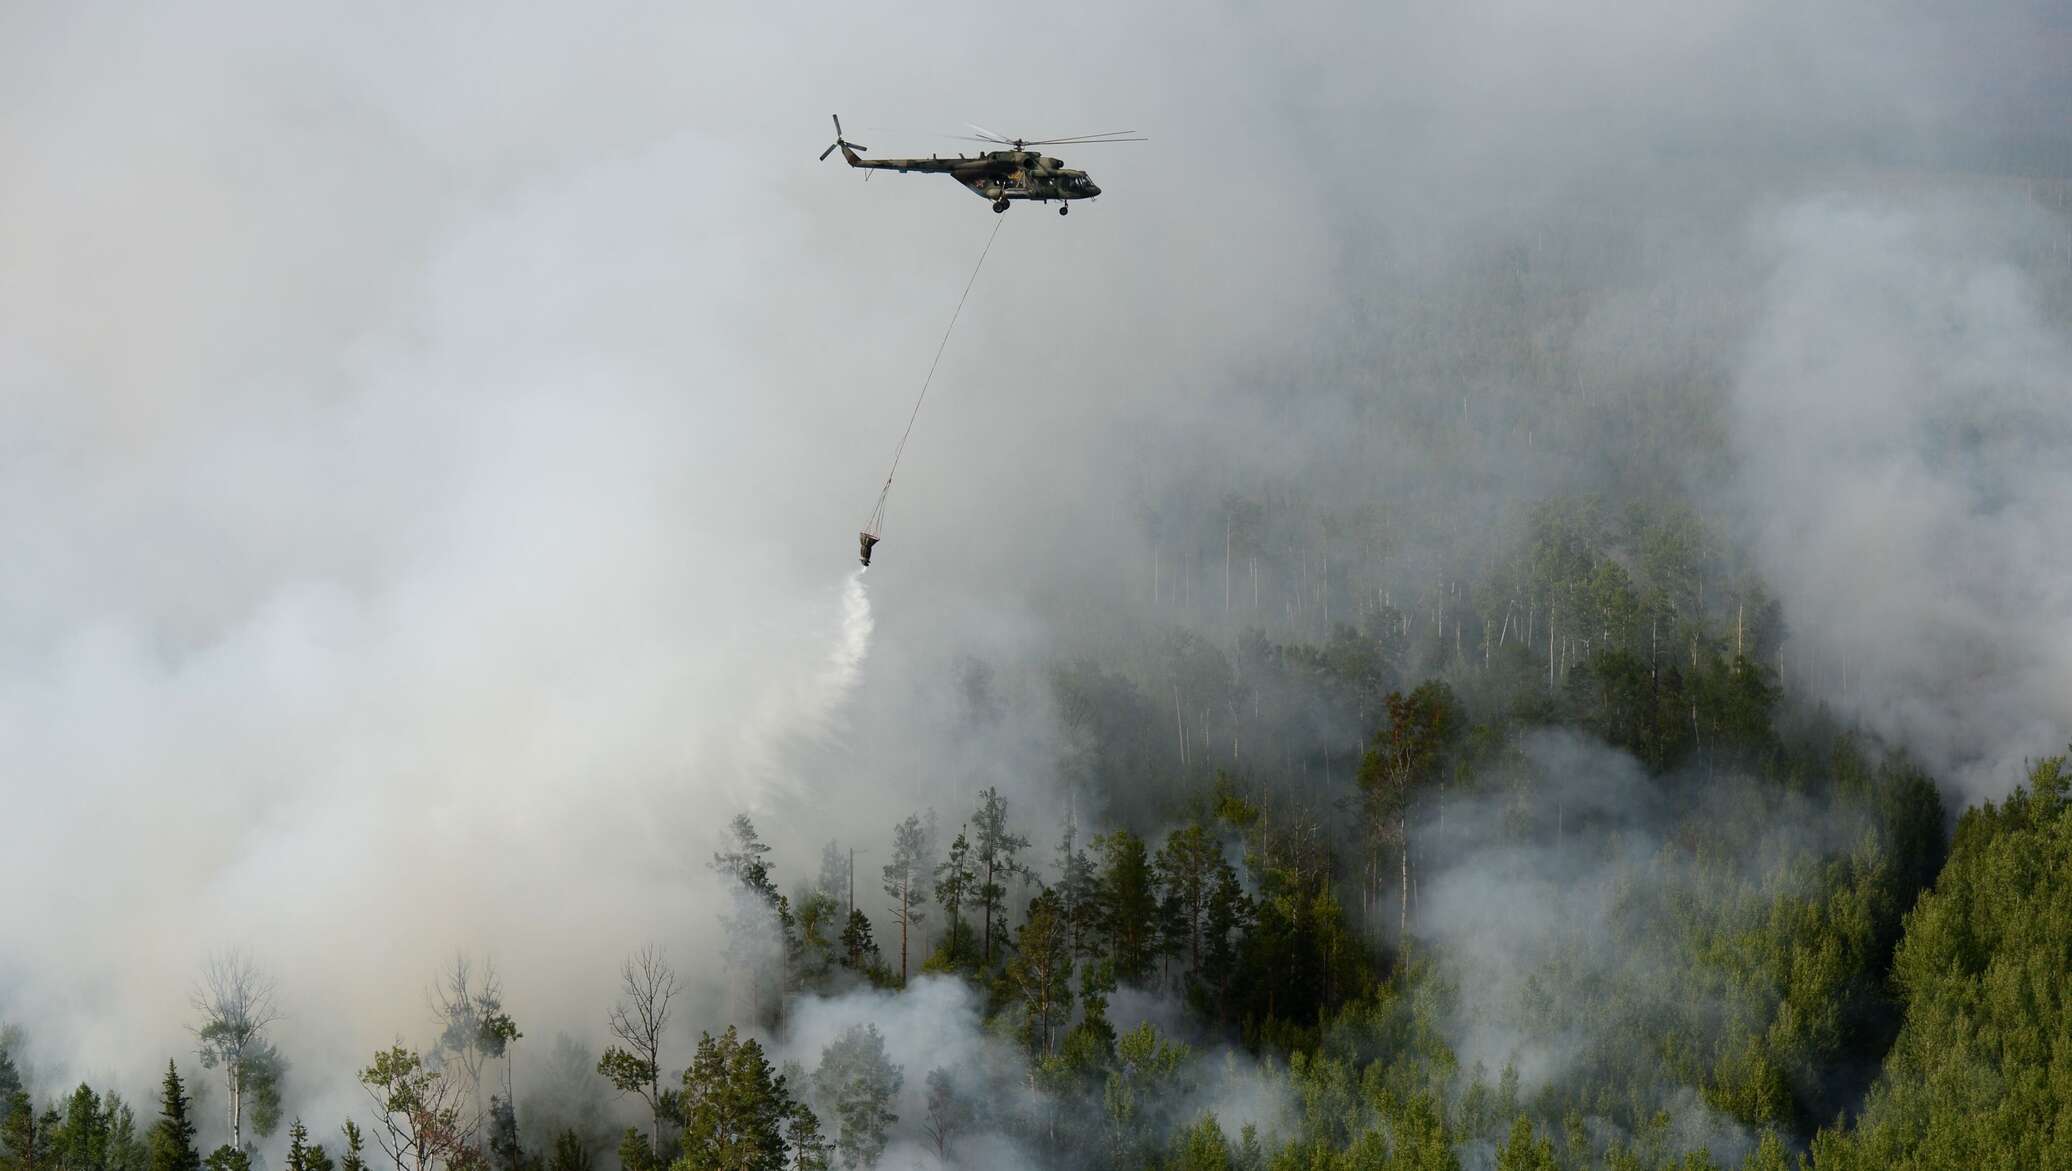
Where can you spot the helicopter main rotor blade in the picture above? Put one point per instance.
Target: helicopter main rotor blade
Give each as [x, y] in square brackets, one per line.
[990, 136]
[1078, 141]
[1104, 136]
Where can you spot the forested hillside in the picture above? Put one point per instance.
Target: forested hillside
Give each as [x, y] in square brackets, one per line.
[1627, 904]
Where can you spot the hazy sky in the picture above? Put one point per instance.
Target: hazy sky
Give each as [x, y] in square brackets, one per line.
[434, 439]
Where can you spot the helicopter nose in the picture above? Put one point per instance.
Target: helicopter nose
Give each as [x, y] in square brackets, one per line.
[1092, 189]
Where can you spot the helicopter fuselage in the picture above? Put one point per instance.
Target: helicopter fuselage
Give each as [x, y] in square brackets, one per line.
[998, 176]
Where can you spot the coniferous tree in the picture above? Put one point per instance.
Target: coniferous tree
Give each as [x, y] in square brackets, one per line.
[833, 879]
[820, 921]
[906, 880]
[1229, 917]
[761, 947]
[858, 948]
[127, 1150]
[506, 1151]
[995, 858]
[1077, 900]
[354, 1158]
[735, 1107]
[28, 1140]
[955, 887]
[1041, 971]
[570, 1153]
[171, 1143]
[1186, 868]
[81, 1142]
[1129, 905]
[298, 1146]
[809, 1147]
[859, 1083]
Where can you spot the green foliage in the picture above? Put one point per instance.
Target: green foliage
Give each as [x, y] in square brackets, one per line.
[735, 1107]
[354, 1158]
[810, 1150]
[1127, 895]
[995, 857]
[1201, 1147]
[171, 1143]
[1041, 971]
[858, 1083]
[570, 1154]
[906, 879]
[1981, 1071]
[955, 887]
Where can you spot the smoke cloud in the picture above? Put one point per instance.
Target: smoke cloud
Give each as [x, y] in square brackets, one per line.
[1901, 422]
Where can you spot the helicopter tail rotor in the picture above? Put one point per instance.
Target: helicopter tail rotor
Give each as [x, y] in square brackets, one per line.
[839, 143]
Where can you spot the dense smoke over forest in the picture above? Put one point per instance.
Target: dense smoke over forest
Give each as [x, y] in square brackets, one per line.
[436, 442]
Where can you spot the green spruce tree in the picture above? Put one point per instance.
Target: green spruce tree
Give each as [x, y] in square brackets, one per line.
[171, 1143]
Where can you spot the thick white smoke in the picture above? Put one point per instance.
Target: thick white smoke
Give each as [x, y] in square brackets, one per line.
[1901, 420]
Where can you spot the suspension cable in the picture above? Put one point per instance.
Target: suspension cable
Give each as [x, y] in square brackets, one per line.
[877, 521]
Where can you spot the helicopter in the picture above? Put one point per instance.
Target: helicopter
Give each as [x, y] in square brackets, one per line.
[1013, 172]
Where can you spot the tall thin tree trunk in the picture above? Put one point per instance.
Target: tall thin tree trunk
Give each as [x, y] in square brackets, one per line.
[1403, 926]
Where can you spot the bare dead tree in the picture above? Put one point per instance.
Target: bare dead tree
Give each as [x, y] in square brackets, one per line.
[641, 1020]
[236, 1003]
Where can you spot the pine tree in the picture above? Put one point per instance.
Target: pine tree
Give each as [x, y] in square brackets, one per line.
[506, 1151]
[81, 1142]
[354, 1159]
[955, 885]
[1229, 917]
[735, 1107]
[1186, 868]
[947, 1112]
[906, 880]
[171, 1142]
[126, 1148]
[569, 1153]
[27, 1138]
[1128, 905]
[761, 948]
[995, 855]
[1077, 897]
[1042, 971]
[745, 864]
[302, 1154]
[860, 1083]
[861, 951]
[809, 1147]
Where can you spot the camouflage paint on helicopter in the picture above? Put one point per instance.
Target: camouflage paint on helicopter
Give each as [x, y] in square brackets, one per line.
[999, 175]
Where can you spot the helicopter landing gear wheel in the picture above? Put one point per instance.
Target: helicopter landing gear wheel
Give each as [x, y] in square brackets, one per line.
[999, 205]
[1063, 208]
